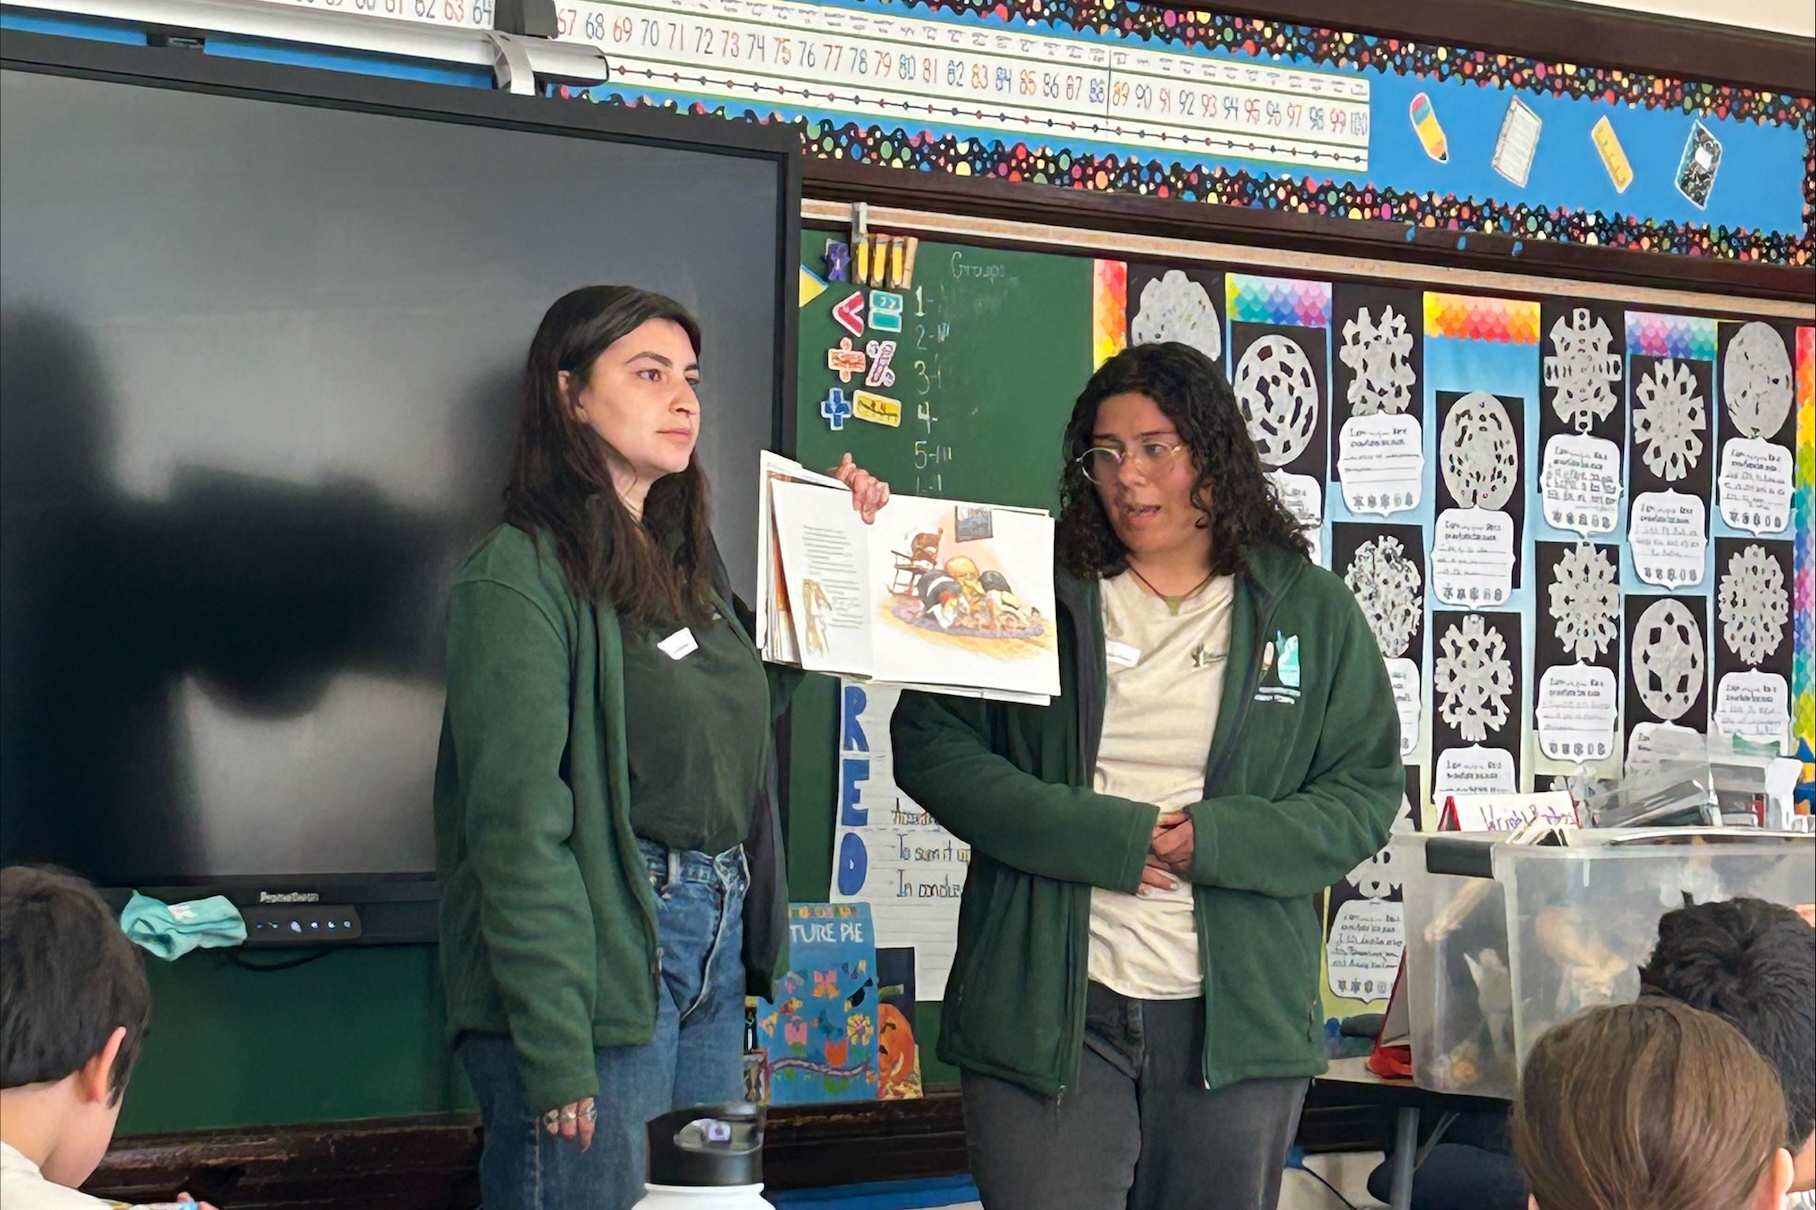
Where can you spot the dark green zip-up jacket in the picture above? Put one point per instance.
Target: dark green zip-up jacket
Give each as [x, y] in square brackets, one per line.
[548, 921]
[1304, 779]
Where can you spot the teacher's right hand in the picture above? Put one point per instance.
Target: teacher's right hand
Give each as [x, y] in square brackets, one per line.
[573, 1121]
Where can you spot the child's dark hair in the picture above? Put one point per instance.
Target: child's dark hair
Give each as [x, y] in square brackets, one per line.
[1754, 964]
[68, 979]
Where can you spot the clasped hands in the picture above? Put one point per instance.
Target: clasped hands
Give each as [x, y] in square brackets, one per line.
[1170, 853]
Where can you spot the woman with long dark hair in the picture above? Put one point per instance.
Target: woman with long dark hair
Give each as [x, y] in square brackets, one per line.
[1134, 1002]
[607, 838]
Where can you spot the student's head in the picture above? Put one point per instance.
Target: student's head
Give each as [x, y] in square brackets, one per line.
[1650, 1106]
[606, 436]
[73, 1010]
[1158, 462]
[1752, 963]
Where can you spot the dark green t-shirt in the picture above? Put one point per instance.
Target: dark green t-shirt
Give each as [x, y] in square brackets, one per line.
[697, 729]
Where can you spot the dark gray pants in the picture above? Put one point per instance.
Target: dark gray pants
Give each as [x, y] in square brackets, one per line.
[1139, 1132]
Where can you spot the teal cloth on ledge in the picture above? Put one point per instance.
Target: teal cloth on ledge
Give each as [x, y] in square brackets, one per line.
[171, 930]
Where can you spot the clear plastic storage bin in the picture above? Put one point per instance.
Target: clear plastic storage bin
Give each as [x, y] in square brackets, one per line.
[1494, 961]
[1457, 985]
[1582, 920]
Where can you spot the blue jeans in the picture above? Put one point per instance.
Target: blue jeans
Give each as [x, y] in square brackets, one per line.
[696, 1058]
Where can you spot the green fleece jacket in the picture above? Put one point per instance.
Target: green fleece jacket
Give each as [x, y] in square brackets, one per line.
[1303, 781]
[548, 920]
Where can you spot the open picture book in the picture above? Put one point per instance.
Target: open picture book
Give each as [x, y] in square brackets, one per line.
[941, 595]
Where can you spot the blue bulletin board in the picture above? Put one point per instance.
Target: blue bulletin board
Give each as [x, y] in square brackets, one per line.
[1238, 111]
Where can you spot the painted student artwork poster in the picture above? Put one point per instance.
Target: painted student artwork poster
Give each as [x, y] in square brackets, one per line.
[898, 1050]
[1377, 454]
[1477, 703]
[1755, 428]
[1752, 660]
[1384, 565]
[1667, 666]
[819, 1035]
[1279, 356]
[1183, 304]
[1581, 423]
[1577, 651]
[1670, 448]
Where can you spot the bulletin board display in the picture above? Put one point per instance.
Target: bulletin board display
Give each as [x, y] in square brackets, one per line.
[1571, 524]
[1236, 111]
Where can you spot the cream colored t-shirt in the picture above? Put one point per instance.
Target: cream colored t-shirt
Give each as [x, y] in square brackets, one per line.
[1165, 683]
[23, 1187]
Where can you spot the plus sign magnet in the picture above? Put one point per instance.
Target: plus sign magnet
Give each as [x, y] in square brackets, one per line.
[835, 408]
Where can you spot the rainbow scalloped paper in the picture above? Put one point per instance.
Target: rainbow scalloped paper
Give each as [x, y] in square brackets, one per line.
[1471, 317]
[1278, 300]
[1109, 310]
[1651, 334]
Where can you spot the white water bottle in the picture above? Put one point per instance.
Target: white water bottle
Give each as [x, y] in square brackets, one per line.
[706, 1158]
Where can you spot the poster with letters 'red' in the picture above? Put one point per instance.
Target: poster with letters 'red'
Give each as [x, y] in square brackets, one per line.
[819, 1035]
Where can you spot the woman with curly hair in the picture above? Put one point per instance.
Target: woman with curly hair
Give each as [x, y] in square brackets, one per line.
[1134, 1002]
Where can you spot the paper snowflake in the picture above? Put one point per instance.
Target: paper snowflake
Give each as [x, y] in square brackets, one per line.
[1473, 677]
[1174, 307]
[1669, 420]
[1478, 452]
[1756, 380]
[1755, 606]
[1381, 356]
[1388, 586]
[1279, 398]
[1373, 878]
[1667, 658]
[1585, 601]
[1583, 370]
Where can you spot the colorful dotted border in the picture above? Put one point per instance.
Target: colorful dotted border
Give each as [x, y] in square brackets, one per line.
[960, 156]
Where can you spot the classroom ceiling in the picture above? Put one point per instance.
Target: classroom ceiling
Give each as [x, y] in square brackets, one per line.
[1796, 17]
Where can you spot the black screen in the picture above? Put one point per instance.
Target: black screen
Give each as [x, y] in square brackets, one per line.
[260, 370]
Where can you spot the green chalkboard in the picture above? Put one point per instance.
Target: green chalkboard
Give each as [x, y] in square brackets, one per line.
[994, 347]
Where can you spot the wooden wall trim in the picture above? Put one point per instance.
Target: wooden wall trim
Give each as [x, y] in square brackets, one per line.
[431, 1163]
[1266, 260]
[1342, 239]
[1558, 31]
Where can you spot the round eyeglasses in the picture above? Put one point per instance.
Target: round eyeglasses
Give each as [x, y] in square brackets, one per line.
[1150, 458]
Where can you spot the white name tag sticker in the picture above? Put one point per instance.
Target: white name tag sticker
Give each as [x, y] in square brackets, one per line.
[679, 645]
[1120, 655]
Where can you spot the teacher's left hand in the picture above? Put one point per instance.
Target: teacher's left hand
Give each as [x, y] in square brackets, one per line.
[868, 493]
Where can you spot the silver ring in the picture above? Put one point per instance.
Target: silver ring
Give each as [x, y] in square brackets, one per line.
[569, 1115]
[590, 1113]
